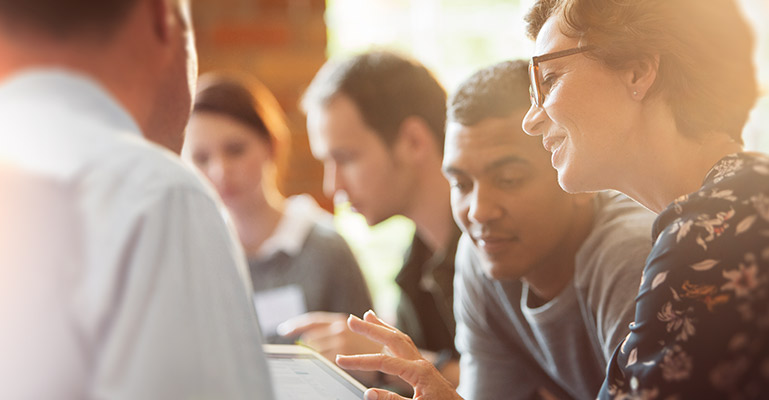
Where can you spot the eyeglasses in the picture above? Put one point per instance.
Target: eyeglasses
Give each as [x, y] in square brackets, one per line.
[535, 89]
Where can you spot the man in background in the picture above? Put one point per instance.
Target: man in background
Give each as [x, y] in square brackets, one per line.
[120, 279]
[377, 121]
[545, 279]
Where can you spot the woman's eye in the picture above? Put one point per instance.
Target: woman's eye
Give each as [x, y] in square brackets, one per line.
[547, 82]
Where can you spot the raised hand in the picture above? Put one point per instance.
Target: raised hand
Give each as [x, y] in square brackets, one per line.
[400, 358]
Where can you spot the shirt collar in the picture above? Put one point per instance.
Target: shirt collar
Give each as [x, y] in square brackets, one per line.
[299, 217]
[62, 88]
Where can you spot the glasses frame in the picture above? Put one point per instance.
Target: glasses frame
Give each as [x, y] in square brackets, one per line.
[535, 90]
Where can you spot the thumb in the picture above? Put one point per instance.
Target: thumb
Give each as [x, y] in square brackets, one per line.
[381, 394]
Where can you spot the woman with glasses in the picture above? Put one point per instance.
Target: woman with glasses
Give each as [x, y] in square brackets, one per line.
[298, 262]
[649, 97]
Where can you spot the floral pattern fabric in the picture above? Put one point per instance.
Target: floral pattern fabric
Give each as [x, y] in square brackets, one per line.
[701, 327]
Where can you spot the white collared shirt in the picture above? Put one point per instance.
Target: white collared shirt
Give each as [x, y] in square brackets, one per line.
[118, 277]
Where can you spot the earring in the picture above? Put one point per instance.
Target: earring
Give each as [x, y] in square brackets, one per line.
[635, 93]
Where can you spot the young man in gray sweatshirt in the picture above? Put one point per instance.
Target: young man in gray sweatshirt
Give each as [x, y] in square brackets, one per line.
[545, 282]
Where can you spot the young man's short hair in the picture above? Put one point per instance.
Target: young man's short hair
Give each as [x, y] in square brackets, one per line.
[386, 87]
[493, 92]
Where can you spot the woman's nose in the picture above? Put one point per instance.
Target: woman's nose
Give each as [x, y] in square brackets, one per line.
[533, 121]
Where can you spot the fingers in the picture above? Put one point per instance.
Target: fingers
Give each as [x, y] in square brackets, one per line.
[370, 316]
[320, 332]
[398, 342]
[326, 344]
[411, 371]
[381, 394]
[306, 322]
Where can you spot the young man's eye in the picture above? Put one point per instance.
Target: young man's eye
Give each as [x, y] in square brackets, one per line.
[460, 186]
[507, 183]
[510, 179]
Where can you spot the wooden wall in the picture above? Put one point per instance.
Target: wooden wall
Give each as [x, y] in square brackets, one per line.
[283, 44]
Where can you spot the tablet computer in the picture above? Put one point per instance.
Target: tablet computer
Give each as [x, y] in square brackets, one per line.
[301, 373]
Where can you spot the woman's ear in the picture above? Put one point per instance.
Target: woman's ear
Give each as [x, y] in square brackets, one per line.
[641, 75]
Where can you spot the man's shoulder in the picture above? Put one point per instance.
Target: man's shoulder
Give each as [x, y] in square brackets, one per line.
[326, 248]
[66, 126]
[619, 242]
[150, 167]
[616, 212]
[124, 167]
[619, 221]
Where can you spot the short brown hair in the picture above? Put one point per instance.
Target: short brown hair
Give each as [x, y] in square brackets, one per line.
[706, 72]
[496, 91]
[63, 18]
[387, 88]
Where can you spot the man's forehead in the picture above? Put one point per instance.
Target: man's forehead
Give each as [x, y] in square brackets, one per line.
[493, 141]
[502, 132]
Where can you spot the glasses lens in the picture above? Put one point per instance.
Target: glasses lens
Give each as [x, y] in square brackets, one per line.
[532, 96]
[533, 85]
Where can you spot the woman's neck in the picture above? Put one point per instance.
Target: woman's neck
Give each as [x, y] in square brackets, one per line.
[257, 221]
[670, 165]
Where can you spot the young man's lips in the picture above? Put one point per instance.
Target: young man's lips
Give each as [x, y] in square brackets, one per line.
[494, 244]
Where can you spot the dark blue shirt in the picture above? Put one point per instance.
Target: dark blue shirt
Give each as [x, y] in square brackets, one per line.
[702, 313]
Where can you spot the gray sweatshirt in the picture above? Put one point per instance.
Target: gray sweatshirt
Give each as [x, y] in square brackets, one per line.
[511, 351]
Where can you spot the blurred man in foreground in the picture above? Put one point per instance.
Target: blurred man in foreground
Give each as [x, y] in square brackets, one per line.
[110, 289]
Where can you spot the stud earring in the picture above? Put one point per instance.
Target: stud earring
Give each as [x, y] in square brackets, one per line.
[635, 93]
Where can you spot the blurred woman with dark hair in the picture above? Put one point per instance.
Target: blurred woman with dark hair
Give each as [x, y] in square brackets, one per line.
[298, 263]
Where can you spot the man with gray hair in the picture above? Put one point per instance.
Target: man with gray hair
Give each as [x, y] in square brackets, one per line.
[118, 277]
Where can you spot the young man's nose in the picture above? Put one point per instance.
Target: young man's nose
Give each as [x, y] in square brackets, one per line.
[483, 206]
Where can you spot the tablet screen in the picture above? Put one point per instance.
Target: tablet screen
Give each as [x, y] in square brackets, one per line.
[304, 376]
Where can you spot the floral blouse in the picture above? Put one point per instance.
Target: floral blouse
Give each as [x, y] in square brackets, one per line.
[701, 327]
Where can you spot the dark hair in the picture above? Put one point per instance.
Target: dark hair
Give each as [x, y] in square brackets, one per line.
[62, 18]
[387, 88]
[493, 92]
[245, 99]
[706, 72]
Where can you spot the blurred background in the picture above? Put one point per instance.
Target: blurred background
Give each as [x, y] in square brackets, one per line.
[284, 42]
